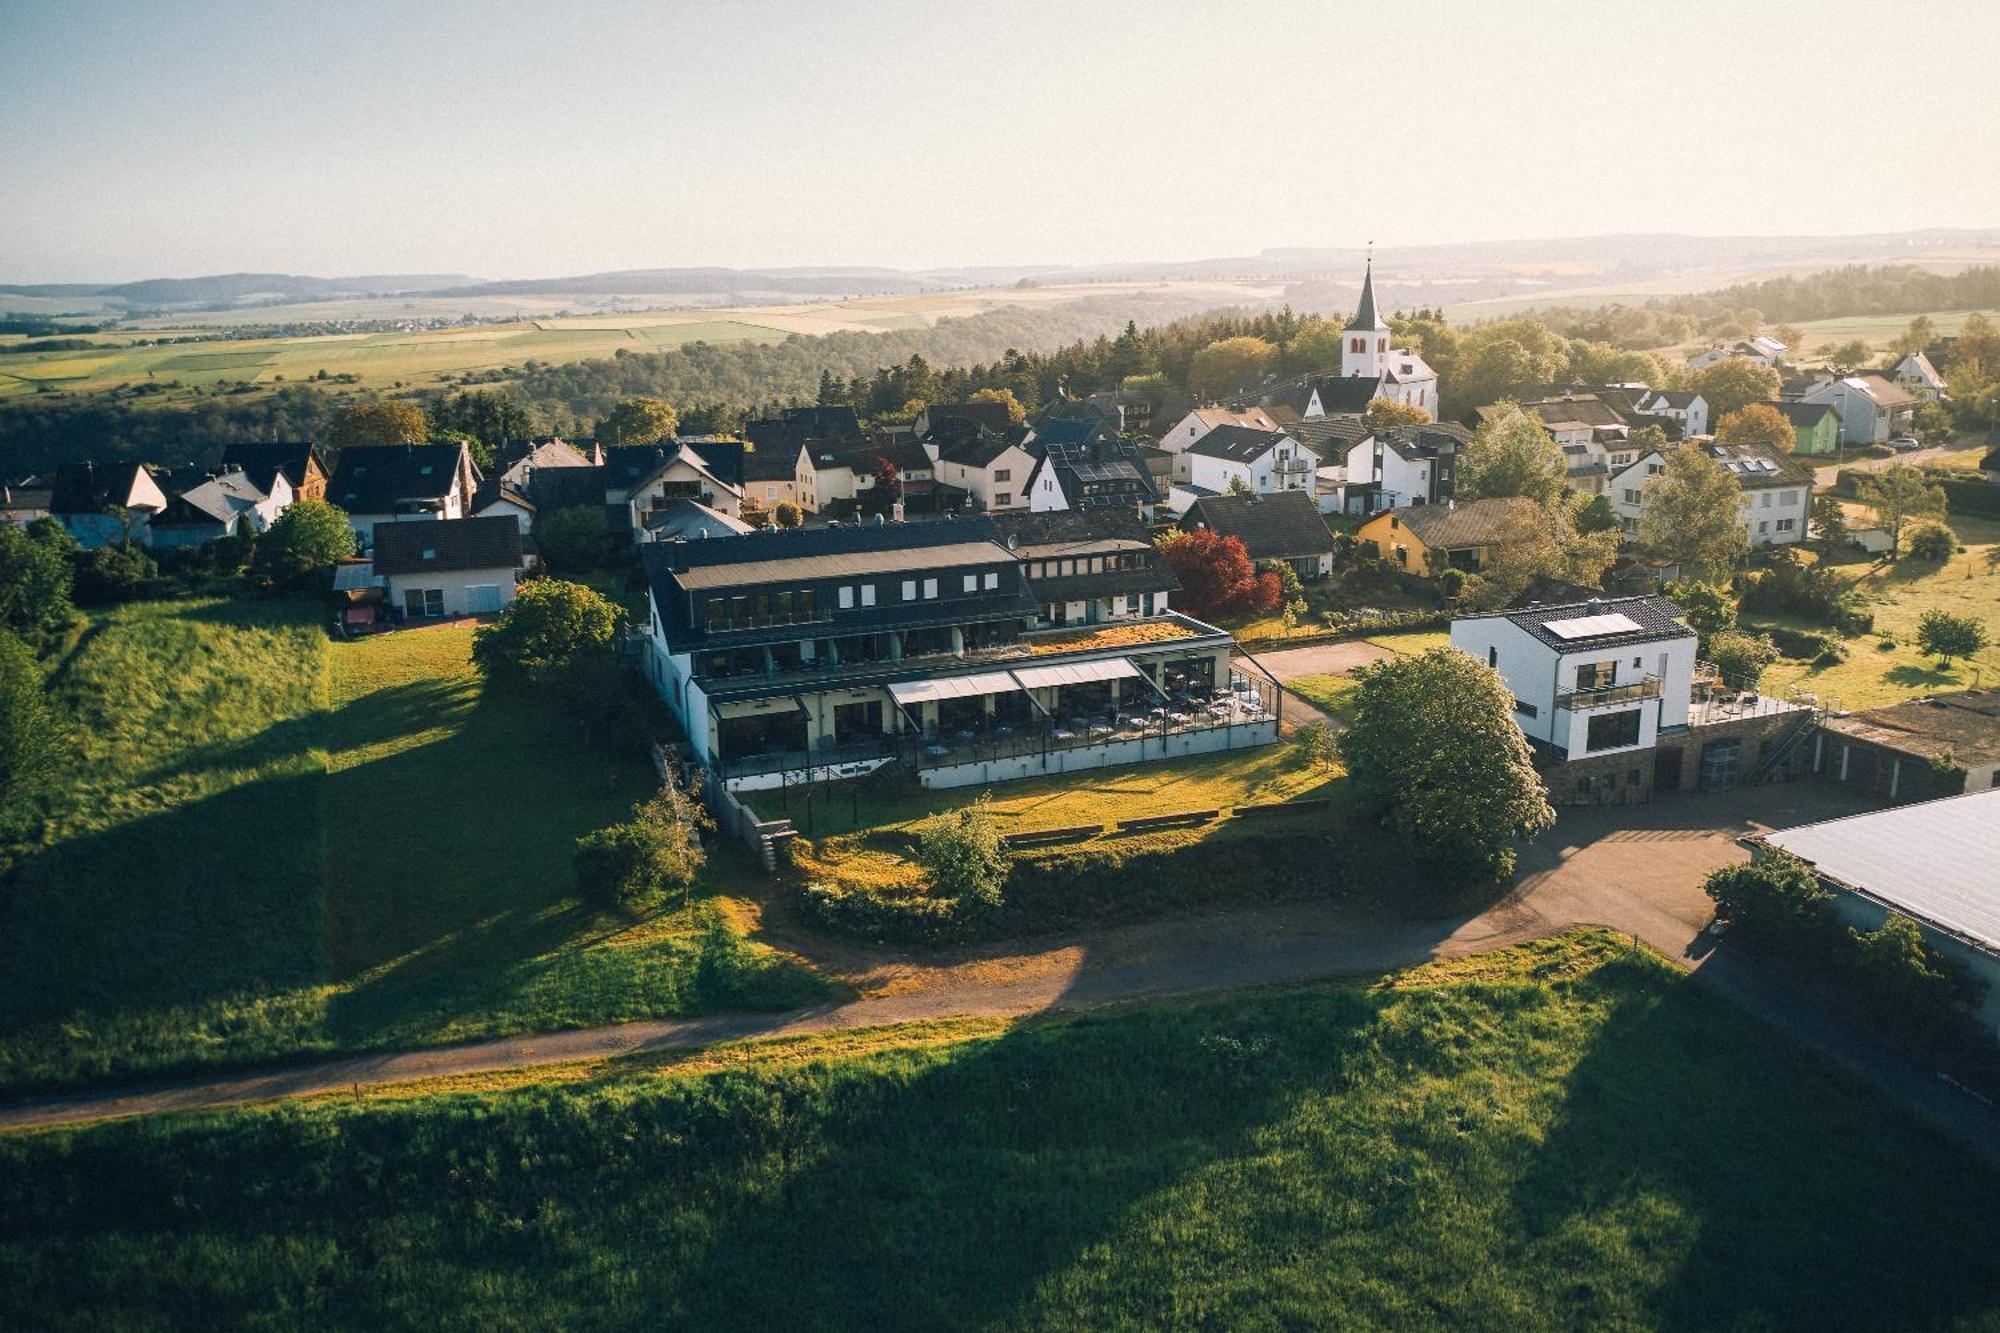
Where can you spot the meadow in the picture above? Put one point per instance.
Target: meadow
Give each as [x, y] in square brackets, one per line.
[1570, 1134]
[273, 845]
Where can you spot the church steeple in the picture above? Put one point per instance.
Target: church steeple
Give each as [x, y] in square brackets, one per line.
[1365, 316]
[1364, 346]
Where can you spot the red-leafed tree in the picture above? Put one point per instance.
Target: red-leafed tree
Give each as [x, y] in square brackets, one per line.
[1218, 582]
[887, 474]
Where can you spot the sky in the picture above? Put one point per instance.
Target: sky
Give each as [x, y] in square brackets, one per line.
[537, 139]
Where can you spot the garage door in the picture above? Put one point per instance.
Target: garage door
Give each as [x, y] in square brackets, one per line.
[482, 598]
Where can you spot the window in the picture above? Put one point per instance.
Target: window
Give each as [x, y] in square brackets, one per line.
[1763, 525]
[1765, 503]
[1068, 568]
[1526, 709]
[930, 589]
[847, 599]
[1638, 663]
[1790, 498]
[717, 614]
[1002, 500]
[868, 594]
[1655, 469]
[427, 602]
[1631, 496]
[909, 590]
[1609, 731]
[972, 583]
[1593, 675]
[1787, 524]
[1003, 474]
[991, 580]
[808, 603]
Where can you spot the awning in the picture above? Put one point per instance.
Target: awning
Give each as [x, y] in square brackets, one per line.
[1075, 673]
[907, 692]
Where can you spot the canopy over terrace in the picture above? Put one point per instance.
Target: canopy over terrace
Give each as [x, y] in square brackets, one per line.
[935, 705]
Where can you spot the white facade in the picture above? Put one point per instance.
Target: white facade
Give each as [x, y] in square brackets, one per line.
[1692, 416]
[1864, 419]
[682, 479]
[1202, 420]
[449, 593]
[1919, 377]
[1045, 492]
[1286, 465]
[1770, 515]
[1577, 699]
[1000, 485]
[1764, 350]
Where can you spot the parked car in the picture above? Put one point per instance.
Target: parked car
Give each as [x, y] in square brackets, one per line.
[1904, 444]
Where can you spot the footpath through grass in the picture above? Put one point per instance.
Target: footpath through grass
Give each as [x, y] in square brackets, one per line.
[1565, 1135]
[275, 846]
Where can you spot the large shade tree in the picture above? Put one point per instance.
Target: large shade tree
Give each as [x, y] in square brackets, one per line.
[378, 421]
[1434, 748]
[1733, 383]
[1229, 364]
[549, 625]
[306, 541]
[1899, 495]
[1511, 454]
[1218, 581]
[638, 421]
[1691, 515]
[1760, 424]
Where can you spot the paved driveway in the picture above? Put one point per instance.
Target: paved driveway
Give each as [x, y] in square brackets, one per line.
[1320, 659]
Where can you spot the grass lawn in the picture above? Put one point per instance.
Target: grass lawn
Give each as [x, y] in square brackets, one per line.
[1332, 693]
[1411, 642]
[1099, 796]
[274, 845]
[1899, 594]
[1565, 1135]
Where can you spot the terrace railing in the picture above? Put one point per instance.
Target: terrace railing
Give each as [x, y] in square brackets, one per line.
[1602, 696]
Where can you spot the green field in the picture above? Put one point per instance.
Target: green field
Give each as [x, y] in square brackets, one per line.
[1566, 1135]
[1899, 594]
[274, 845]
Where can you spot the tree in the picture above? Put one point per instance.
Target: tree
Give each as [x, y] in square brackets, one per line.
[1239, 485]
[1776, 898]
[112, 574]
[1015, 412]
[1946, 636]
[378, 421]
[1317, 745]
[1434, 745]
[638, 421]
[548, 625]
[1230, 364]
[1740, 658]
[658, 849]
[1691, 515]
[1511, 454]
[36, 577]
[1733, 383]
[1851, 354]
[1899, 494]
[1759, 423]
[482, 457]
[1920, 334]
[1932, 542]
[1543, 542]
[575, 540]
[306, 541]
[1505, 359]
[32, 742]
[1596, 515]
[1218, 582]
[787, 514]
[1792, 336]
[1707, 608]
[1382, 413]
[888, 479]
[962, 857]
[1829, 519]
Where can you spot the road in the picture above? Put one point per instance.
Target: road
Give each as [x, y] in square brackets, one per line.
[1637, 870]
[1936, 455]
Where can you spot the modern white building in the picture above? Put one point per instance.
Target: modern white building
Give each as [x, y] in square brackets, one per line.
[1202, 420]
[1777, 490]
[450, 568]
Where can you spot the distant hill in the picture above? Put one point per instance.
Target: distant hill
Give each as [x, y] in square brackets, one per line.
[706, 282]
[228, 288]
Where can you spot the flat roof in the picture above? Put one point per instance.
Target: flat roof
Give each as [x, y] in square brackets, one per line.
[843, 564]
[1936, 861]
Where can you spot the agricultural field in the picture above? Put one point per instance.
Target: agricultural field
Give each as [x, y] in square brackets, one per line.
[431, 358]
[274, 845]
[1569, 1134]
[1878, 331]
[1899, 594]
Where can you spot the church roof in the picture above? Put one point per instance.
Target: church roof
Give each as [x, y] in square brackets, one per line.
[1365, 316]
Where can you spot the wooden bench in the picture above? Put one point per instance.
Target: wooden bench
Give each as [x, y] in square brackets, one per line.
[1279, 808]
[1168, 821]
[1075, 833]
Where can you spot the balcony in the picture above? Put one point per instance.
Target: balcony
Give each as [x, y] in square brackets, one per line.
[1293, 467]
[1603, 696]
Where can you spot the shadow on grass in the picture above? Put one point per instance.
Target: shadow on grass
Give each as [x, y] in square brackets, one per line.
[1915, 677]
[1777, 1194]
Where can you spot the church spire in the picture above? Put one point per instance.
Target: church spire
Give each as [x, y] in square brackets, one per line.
[1365, 316]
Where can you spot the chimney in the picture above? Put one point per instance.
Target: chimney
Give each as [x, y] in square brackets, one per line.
[1595, 606]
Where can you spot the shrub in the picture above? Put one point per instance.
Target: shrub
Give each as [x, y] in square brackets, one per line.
[1932, 542]
[1317, 746]
[112, 574]
[1790, 585]
[1741, 658]
[1776, 898]
[960, 853]
[630, 865]
[1708, 609]
[1452, 582]
[1832, 655]
[1895, 968]
[1802, 644]
[547, 627]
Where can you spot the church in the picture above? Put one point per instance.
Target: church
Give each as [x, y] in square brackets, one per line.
[1370, 368]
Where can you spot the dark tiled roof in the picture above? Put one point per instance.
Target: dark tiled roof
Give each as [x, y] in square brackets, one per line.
[372, 479]
[1283, 525]
[1656, 617]
[974, 448]
[793, 427]
[1330, 435]
[1062, 526]
[770, 465]
[1805, 415]
[87, 488]
[1348, 393]
[448, 544]
[1364, 313]
[217, 499]
[1760, 467]
[907, 455]
[989, 416]
[1237, 444]
[261, 460]
[554, 488]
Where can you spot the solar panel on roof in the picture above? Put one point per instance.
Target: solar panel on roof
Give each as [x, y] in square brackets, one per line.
[1590, 627]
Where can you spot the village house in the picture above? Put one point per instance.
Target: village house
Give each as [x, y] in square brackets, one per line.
[1369, 364]
[1394, 467]
[1094, 474]
[1611, 695]
[691, 520]
[1429, 539]
[989, 416]
[1918, 377]
[828, 652]
[645, 478]
[303, 464]
[104, 504]
[401, 483]
[1283, 527]
[1684, 409]
[504, 498]
[22, 504]
[1263, 461]
[990, 466]
[770, 478]
[1088, 566]
[1202, 420]
[1873, 408]
[841, 480]
[225, 504]
[1777, 490]
[1931, 862]
[1817, 426]
[1763, 349]
[450, 568]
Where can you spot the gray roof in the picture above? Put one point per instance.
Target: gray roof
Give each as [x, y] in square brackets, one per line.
[686, 518]
[1281, 526]
[1237, 444]
[1364, 313]
[1937, 861]
[1656, 617]
[1760, 467]
[454, 544]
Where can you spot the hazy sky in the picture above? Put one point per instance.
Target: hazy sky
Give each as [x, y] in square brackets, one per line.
[506, 140]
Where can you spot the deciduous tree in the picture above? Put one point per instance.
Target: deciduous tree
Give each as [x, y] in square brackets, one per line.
[1829, 520]
[1434, 746]
[1218, 582]
[1691, 515]
[36, 578]
[1759, 423]
[962, 857]
[306, 541]
[1733, 383]
[1511, 454]
[575, 540]
[1946, 636]
[638, 421]
[630, 865]
[1382, 413]
[546, 627]
[1899, 495]
[1230, 364]
[1016, 413]
[378, 421]
[1740, 658]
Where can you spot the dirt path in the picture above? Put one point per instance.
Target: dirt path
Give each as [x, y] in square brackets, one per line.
[1637, 870]
[1320, 659]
